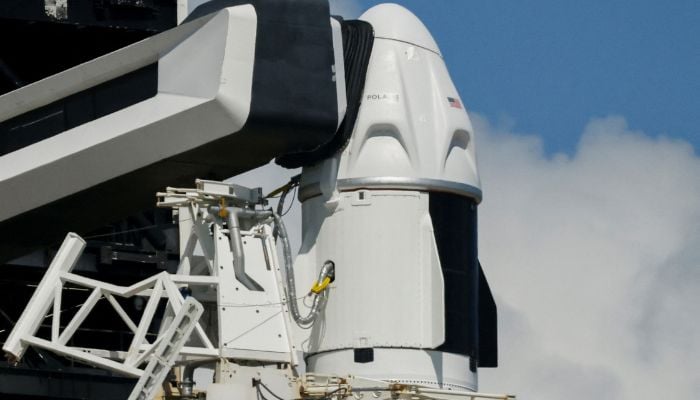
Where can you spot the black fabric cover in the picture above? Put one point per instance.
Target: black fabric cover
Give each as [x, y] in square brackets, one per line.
[358, 39]
[294, 106]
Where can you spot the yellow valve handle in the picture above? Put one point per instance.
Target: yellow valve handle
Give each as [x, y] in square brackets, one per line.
[320, 287]
[223, 212]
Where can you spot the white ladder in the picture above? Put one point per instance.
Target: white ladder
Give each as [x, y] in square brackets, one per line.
[169, 347]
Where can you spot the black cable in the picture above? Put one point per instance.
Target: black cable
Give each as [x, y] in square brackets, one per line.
[328, 395]
[124, 231]
[259, 383]
[292, 203]
[293, 184]
[260, 395]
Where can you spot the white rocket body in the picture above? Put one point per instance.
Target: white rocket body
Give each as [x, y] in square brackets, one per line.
[369, 210]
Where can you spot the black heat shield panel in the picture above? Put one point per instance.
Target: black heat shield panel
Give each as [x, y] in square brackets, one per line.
[488, 324]
[470, 311]
[293, 109]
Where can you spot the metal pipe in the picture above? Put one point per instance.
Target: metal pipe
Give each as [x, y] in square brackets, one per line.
[319, 299]
[328, 268]
[234, 234]
[187, 382]
[473, 395]
[280, 208]
[236, 241]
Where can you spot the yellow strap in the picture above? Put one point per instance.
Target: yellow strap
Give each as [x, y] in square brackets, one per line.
[223, 211]
[320, 287]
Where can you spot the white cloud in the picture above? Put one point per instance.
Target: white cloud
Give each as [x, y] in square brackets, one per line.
[595, 263]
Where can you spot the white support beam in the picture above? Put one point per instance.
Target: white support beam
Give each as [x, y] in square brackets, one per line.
[84, 357]
[189, 351]
[195, 279]
[118, 308]
[32, 316]
[148, 351]
[56, 317]
[201, 229]
[167, 351]
[176, 301]
[123, 291]
[80, 316]
[146, 319]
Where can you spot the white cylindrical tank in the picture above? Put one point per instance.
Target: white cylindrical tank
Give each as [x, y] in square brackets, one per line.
[396, 212]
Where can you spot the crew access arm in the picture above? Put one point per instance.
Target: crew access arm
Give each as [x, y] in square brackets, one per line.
[226, 91]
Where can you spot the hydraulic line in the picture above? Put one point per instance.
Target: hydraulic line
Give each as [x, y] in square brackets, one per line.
[327, 271]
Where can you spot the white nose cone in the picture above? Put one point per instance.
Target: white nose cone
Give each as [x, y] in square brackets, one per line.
[391, 21]
[412, 131]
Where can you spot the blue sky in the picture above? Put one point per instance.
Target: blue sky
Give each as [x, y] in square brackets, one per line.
[548, 66]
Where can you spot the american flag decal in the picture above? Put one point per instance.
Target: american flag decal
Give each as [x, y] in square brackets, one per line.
[454, 103]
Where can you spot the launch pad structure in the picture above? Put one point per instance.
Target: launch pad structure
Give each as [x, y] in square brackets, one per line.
[117, 299]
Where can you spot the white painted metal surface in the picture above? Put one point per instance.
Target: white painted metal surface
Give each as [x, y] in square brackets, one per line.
[44, 296]
[408, 129]
[251, 324]
[389, 288]
[412, 129]
[394, 22]
[427, 368]
[325, 386]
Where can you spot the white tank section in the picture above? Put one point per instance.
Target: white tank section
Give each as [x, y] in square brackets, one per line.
[368, 210]
[386, 262]
[431, 368]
